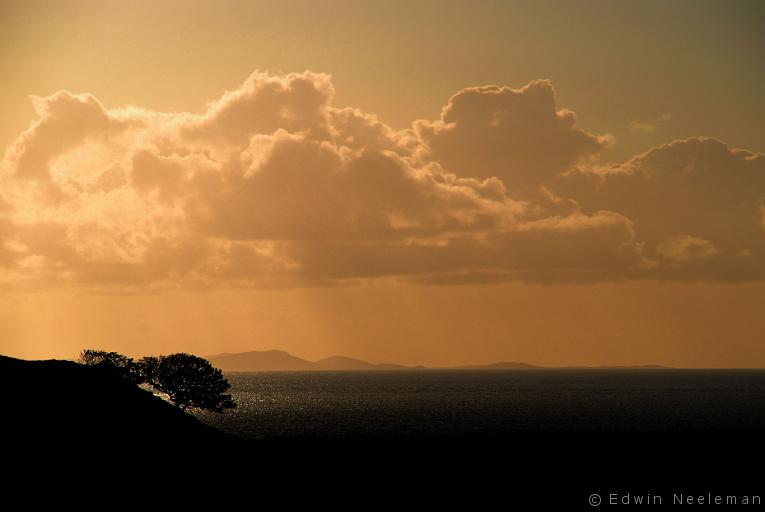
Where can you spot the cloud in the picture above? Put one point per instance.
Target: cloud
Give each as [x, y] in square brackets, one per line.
[272, 186]
[65, 121]
[696, 204]
[684, 248]
[298, 103]
[642, 126]
[649, 126]
[516, 135]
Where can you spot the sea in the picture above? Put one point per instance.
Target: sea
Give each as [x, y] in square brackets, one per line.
[432, 403]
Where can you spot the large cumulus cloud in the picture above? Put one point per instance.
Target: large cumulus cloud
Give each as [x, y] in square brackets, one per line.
[518, 136]
[273, 185]
[697, 205]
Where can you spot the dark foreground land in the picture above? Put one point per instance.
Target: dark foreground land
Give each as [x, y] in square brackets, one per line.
[59, 404]
[71, 431]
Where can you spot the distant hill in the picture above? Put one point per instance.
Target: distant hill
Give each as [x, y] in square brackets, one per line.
[279, 360]
[500, 366]
[622, 367]
[57, 404]
[261, 361]
[526, 366]
[349, 363]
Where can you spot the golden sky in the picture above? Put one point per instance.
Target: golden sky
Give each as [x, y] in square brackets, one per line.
[560, 183]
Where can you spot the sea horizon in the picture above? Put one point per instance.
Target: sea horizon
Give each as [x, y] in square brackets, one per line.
[480, 403]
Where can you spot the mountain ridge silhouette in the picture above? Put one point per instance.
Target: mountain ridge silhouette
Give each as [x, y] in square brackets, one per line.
[280, 360]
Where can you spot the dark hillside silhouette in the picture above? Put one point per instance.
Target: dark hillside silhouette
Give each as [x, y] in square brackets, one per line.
[61, 403]
[187, 380]
[114, 362]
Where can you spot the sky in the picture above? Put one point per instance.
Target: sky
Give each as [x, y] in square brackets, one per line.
[436, 183]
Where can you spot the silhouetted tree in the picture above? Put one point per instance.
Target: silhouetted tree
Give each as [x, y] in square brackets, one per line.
[189, 381]
[114, 362]
[148, 367]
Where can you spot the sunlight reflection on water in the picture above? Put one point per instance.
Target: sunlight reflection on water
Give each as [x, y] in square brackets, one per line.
[372, 404]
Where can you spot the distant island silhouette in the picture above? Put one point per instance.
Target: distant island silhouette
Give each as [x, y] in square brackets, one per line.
[279, 360]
